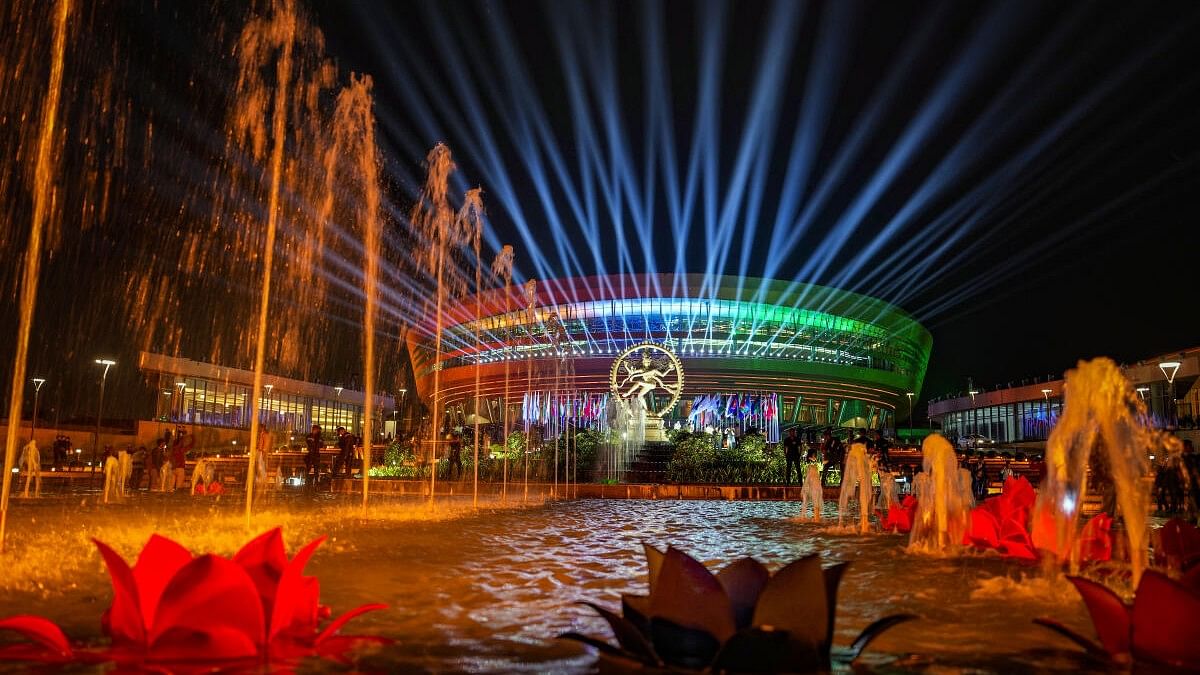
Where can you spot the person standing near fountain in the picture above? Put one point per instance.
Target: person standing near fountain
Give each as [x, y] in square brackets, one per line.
[179, 451]
[455, 468]
[882, 448]
[1188, 476]
[833, 453]
[312, 458]
[158, 458]
[139, 467]
[345, 458]
[791, 457]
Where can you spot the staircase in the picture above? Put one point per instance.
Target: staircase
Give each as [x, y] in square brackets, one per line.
[651, 464]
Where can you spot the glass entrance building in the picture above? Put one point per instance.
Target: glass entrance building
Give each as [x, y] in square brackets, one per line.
[193, 392]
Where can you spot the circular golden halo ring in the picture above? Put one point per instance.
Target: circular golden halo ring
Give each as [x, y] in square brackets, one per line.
[616, 364]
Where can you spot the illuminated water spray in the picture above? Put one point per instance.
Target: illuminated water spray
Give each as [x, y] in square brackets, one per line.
[944, 500]
[44, 171]
[502, 269]
[1102, 420]
[435, 225]
[856, 477]
[279, 33]
[470, 221]
[354, 136]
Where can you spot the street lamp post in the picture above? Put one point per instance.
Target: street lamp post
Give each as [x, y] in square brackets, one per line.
[268, 387]
[1169, 369]
[182, 386]
[37, 390]
[1142, 392]
[1046, 398]
[107, 363]
[974, 422]
[403, 395]
[909, 394]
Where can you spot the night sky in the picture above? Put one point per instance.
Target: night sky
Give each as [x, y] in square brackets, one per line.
[1021, 177]
[1101, 259]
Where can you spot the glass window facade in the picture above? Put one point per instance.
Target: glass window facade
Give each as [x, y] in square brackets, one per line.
[1006, 423]
[192, 400]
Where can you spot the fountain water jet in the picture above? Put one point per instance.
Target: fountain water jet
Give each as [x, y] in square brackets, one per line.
[943, 499]
[281, 33]
[856, 475]
[887, 491]
[502, 268]
[812, 492]
[1100, 412]
[470, 218]
[436, 226]
[354, 136]
[116, 473]
[43, 198]
[31, 466]
[531, 298]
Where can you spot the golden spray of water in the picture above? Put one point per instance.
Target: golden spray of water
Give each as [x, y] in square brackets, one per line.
[285, 30]
[434, 222]
[354, 134]
[42, 201]
[502, 268]
[531, 298]
[1104, 419]
[470, 218]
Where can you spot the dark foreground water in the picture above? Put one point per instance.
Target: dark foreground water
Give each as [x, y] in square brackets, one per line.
[489, 592]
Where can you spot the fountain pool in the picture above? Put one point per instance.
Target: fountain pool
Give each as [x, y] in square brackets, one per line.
[488, 591]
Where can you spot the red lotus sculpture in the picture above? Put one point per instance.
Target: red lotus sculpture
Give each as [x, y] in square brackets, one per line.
[171, 606]
[899, 517]
[1003, 523]
[1178, 546]
[742, 619]
[1159, 627]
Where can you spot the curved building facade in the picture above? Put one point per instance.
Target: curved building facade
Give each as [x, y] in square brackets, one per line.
[784, 352]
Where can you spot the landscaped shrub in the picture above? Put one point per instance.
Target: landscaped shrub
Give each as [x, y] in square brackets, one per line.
[694, 457]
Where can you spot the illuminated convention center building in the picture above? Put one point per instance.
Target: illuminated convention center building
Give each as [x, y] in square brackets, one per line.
[737, 352]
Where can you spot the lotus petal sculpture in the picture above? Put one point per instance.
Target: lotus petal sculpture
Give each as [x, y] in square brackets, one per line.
[1003, 523]
[1160, 627]
[171, 606]
[742, 619]
[1178, 546]
[899, 517]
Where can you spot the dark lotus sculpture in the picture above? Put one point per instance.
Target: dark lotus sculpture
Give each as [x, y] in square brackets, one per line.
[742, 619]
[1178, 546]
[173, 607]
[1159, 628]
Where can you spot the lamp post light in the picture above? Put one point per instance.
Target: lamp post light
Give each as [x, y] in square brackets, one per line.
[403, 396]
[974, 422]
[107, 363]
[37, 390]
[1142, 392]
[909, 394]
[182, 386]
[1046, 398]
[1169, 369]
[268, 387]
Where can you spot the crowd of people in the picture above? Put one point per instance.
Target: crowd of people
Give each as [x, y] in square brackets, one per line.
[348, 457]
[830, 452]
[1177, 482]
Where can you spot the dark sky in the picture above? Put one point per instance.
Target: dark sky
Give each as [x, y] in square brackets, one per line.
[1020, 176]
[1088, 248]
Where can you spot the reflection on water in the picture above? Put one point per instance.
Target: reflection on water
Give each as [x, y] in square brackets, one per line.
[489, 592]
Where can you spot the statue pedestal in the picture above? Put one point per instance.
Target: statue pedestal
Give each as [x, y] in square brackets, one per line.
[654, 430]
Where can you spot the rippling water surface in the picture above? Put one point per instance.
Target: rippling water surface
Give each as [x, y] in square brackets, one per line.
[488, 592]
